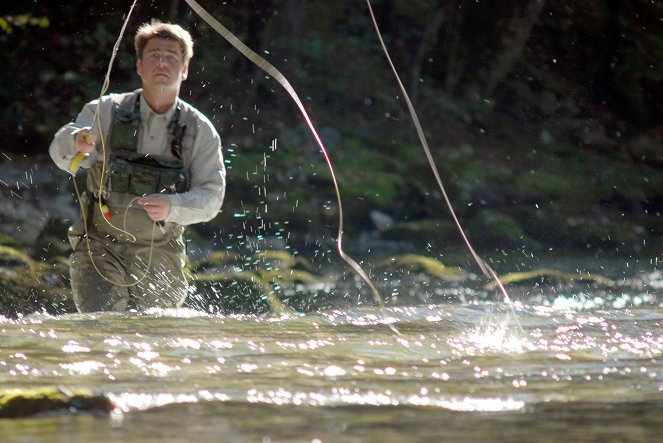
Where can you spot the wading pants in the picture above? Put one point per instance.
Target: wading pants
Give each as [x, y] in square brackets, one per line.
[138, 269]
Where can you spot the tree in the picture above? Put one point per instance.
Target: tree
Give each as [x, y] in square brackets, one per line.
[428, 41]
[515, 39]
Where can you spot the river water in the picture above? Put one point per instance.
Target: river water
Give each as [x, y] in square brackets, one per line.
[554, 366]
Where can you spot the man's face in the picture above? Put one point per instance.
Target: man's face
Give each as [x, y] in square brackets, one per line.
[161, 63]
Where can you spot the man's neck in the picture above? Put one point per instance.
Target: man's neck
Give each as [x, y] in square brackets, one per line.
[161, 100]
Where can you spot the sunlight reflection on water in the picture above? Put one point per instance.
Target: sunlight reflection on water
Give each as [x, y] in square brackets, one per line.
[456, 358]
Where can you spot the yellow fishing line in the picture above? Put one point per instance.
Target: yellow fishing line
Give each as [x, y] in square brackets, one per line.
[89, 248]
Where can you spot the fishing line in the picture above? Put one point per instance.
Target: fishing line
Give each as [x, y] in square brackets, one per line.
[75, 164]
[485, 268]
[276, 74]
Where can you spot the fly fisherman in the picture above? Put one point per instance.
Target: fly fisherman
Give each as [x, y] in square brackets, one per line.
[163, 170]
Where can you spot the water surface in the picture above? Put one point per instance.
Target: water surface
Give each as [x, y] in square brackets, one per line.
[570, 369]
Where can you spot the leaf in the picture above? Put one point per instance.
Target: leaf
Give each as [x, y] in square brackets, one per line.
[285, 259]
[4, 24]
[552, 274]
[420, 263]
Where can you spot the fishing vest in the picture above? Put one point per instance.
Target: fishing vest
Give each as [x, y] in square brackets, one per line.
[131, 172]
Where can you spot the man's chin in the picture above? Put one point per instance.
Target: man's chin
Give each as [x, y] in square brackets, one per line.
[162, 82]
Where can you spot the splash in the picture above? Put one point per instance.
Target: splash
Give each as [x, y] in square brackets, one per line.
[501, 335]
[494, 337]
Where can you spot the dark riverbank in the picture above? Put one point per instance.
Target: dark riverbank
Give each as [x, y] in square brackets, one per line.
[235, 262]
[543, 119]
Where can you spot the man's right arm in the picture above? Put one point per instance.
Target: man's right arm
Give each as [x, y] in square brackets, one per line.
[73, 138]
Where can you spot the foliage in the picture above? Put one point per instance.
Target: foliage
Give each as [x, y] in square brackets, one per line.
[419, 263]
[28, 285]
[496, 229]
[263, 274]
[549, 143]
[541, 275]
[8, 22]
[638, 66]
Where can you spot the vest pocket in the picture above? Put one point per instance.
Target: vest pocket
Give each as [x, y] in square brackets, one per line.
[120, 175]
[146, 175]
[144, 180]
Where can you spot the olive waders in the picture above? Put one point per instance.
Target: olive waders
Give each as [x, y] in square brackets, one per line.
[117, 272]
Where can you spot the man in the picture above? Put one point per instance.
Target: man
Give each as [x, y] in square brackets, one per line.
[154, 166]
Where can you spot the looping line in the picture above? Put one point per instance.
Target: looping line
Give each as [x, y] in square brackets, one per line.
[276, 74]
[485, 268]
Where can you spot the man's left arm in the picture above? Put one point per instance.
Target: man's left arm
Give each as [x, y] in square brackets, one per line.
[207, 181]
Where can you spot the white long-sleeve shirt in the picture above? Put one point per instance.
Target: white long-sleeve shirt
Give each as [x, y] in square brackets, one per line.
[201, 152]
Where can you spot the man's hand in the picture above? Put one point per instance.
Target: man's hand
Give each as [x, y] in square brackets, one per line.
[157, 206]
[85, 140]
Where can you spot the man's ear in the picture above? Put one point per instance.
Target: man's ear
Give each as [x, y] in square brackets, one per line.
[139, 67]
[185, 71]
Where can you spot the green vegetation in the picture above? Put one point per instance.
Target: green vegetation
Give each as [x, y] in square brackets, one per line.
[9, 22]
[261, 276]
[28, 285]
[543, 275]
[545, 125]
[419, 263]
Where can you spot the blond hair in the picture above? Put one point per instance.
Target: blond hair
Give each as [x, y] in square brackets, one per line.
[169, 31]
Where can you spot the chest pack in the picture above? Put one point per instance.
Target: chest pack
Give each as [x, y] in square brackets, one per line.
[140, 174]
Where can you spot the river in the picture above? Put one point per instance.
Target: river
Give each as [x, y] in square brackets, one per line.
[552, 367]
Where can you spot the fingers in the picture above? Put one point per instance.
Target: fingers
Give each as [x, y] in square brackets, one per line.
[151, 200]
[85, 140]
[90, 138]
[157, 206]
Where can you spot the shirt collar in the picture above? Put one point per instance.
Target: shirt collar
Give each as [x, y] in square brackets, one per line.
[146, 112]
